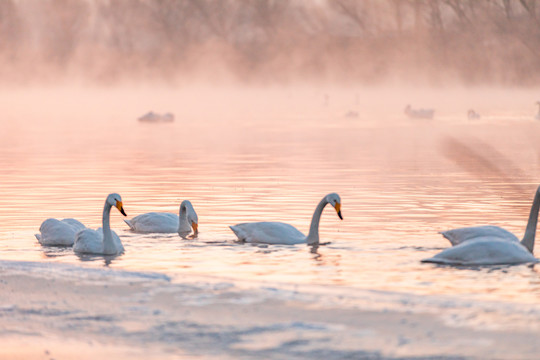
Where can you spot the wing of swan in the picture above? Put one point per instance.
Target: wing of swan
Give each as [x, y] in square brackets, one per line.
[268, 233]
[90, 241]
[458, 236]
[490, 245]
[158, 222]
[102, 241]
[154, 222]
[55, 232]
[281, 233]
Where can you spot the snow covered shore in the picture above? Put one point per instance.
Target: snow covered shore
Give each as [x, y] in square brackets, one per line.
[58, 311]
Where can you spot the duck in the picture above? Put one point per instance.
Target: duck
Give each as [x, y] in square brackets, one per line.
[490, 245]
[102, 241]
[54, 232]
[282, 233]
[419, 113]
[160, 222]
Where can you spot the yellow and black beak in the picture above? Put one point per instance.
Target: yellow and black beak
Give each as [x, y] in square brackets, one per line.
[120, 208]
[338, 210]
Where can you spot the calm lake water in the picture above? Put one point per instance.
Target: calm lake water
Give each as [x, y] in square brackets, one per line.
[252, 155]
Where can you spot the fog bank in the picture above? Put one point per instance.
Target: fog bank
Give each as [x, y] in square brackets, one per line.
[437, 42]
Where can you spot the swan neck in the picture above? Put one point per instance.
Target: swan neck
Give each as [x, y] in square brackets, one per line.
[183, 223]
[313, 236]
[108, 245]
[530, 231]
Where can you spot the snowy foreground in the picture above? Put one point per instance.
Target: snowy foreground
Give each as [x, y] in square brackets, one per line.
[57, 311]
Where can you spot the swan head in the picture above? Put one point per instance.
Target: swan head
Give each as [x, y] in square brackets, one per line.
[116, 201]
[334, 200]
[191, 215]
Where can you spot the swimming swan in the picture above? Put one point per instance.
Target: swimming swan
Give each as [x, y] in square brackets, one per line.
[155, 222]
[281, 233]
[103, 240]
[490, 245]
[59, 232]
[419, 113]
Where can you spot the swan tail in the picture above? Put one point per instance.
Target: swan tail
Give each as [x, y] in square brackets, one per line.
[38, 237]
[238, 232]
[450, 236]
[131, 226]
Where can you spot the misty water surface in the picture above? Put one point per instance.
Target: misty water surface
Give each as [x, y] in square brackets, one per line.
[248, 155]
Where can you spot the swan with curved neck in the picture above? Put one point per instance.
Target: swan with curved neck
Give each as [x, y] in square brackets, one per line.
[155, 222]
[281, 233]
[103, 240]
[490, 245]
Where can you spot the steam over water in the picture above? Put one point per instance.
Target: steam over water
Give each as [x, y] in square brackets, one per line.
[265, 41]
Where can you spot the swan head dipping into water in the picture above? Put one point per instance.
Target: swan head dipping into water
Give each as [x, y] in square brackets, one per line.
[188, 220]
[282, 233]
[102, 241]
[167, 223]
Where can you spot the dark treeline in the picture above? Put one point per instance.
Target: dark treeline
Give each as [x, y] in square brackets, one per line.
[360, 41]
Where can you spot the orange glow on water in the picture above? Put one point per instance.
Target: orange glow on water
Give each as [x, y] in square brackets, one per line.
[262, 155]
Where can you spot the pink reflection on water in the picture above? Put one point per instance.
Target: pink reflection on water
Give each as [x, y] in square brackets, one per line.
[63, 154]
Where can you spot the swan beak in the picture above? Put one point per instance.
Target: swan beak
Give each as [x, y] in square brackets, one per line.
[338, 210]
[195, 227]
[120, 208]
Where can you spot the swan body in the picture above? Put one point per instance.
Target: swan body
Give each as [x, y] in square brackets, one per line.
[484, 251]
[490, 245]
[458, 236]
[102, 241]
[281, 233]
[90, 241]
[55, 232]
[268, 233]
[473, 115]
[419, 113]
[159, 222]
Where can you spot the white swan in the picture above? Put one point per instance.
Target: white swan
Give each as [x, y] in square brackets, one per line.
[59, 232]
[281, 233]
[419, 113]
[155, 222]
[490, 245]
[103, 240]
